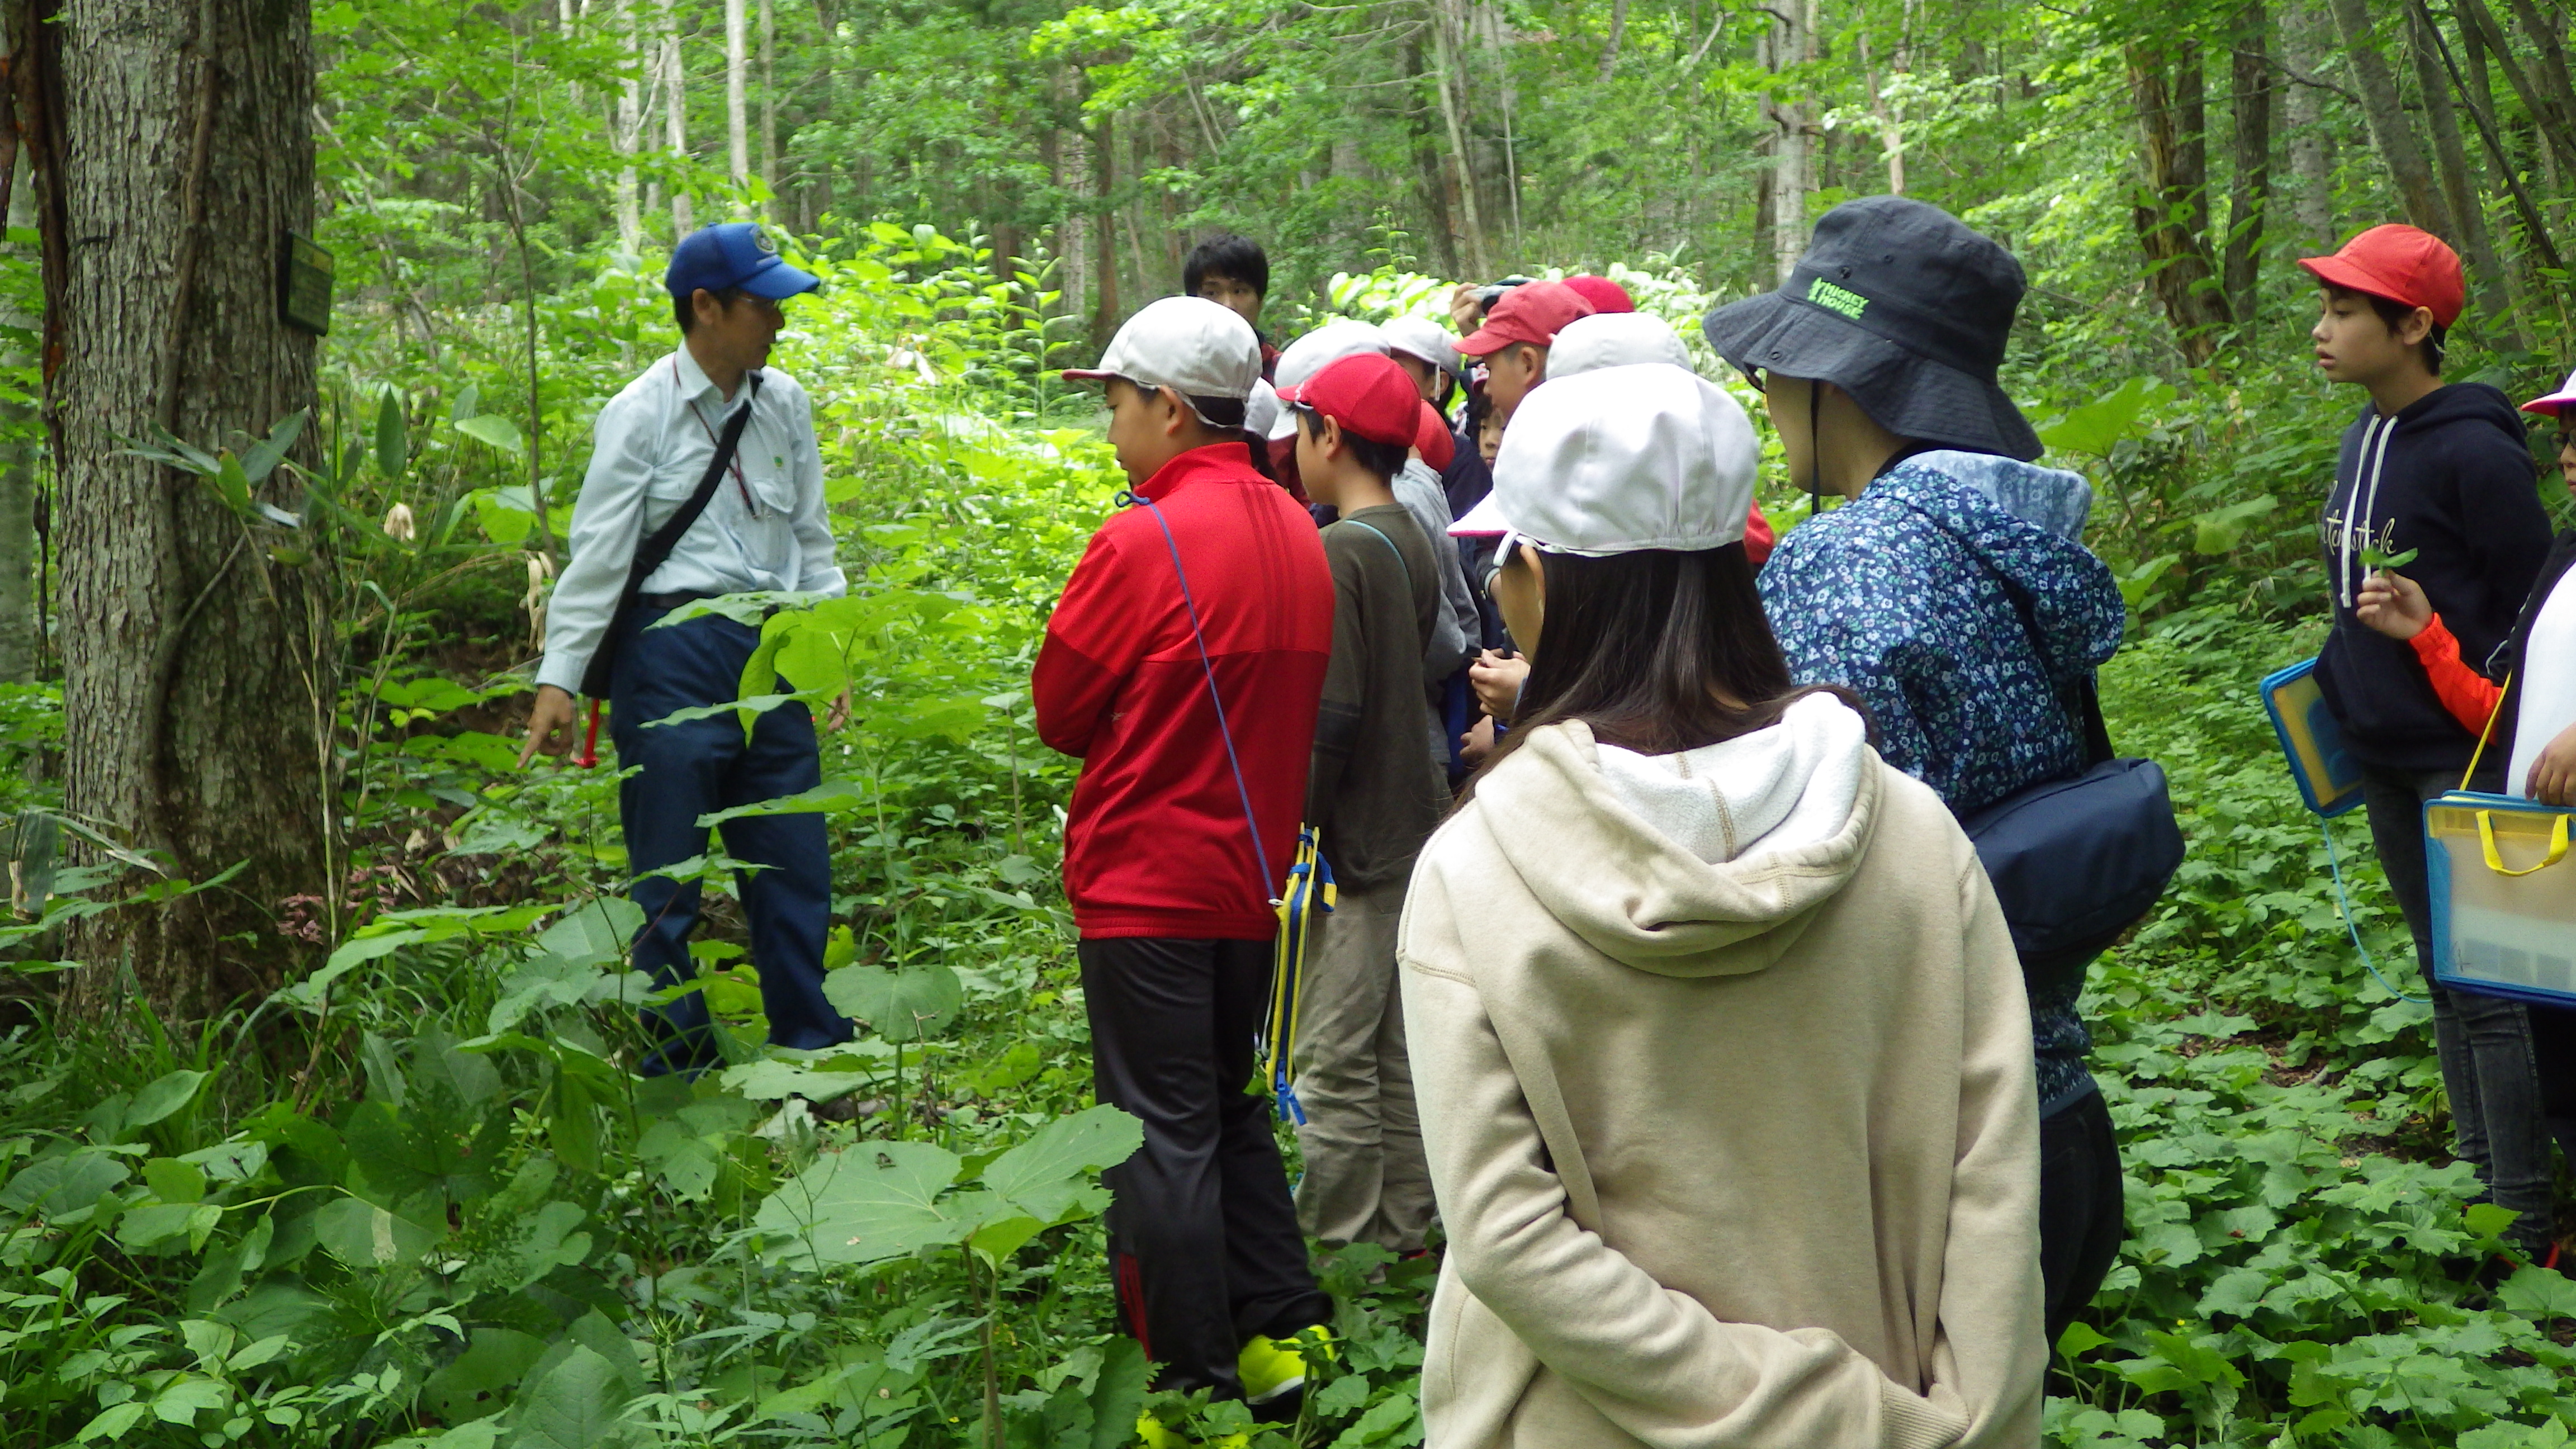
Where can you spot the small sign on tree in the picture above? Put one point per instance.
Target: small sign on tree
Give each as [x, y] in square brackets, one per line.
[304, 286]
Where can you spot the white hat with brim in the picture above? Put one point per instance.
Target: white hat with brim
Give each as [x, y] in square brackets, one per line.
[1621, 460]
[1614, 339]
[1191, 345]
[1422, 338]
[2557, 403]
[1342, 337]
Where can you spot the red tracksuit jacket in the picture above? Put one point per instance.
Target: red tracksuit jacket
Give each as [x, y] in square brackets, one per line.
[1156, 843]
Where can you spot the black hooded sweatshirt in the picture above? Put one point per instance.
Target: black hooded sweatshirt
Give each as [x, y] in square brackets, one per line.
[2451, 477]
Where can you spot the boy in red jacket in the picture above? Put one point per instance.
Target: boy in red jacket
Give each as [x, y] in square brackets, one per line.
[1184, 667]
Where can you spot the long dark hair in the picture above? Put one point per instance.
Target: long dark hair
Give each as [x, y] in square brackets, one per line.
[1647, 648]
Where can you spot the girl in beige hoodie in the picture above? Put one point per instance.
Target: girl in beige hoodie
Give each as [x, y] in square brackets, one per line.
[1723, 1060]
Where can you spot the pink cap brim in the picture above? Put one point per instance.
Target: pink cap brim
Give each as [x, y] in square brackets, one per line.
[1485, 520]
[2556, 402]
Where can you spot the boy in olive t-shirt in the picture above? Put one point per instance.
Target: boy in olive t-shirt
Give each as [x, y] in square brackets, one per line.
[1373, 795]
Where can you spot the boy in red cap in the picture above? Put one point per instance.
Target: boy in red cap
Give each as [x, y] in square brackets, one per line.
[2438, 476]
[1515, 337]
[1373, 795]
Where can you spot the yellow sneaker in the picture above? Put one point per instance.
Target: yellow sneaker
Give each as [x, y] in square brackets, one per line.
[1273, 1368]
[1151, 1433]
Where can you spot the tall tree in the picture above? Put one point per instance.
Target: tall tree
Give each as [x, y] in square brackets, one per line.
[626, 124]
[2172, 210]
[1790, 39]
[2385, 113]
[769, 95]
[2249, 196]
[675, 114]
[2459, 183]
[2304, 31]
[737, 85]
[178, 154]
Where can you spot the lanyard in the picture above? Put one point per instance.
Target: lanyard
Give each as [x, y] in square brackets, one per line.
[750, 505]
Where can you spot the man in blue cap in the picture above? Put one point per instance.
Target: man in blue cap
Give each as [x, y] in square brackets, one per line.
[704, 480]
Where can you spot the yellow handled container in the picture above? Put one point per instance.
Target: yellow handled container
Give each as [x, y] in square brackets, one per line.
[2504, 896]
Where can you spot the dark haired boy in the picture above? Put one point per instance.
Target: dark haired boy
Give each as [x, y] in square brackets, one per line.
[1182, 667]
[1373, 795]
[1232, 271]
[2441, 471]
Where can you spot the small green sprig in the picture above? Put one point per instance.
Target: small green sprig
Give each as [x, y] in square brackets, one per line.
[2382, 562]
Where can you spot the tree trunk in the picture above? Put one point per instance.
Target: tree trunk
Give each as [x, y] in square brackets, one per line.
[2172, 213]
[1449, 41]
[1104, 231]
[1791, 43]
[626, 130]
[769, 95]
[2487, 279]
[2484, 37]
[675, 115]
[1610, 50]
[186, 153]
[2551, 72]
[737, 124]
[2385, 114]
[2249, 197]
[1432, 177]
[2303, 35]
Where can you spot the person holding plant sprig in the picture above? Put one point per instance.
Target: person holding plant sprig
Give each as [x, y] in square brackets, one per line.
[2436, 479]
[2533, 715]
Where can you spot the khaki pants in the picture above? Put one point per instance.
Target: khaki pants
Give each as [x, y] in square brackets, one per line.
[1366, 1178]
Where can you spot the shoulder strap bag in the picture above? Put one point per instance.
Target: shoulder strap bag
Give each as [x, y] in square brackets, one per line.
[655, 550]
[2074, 861]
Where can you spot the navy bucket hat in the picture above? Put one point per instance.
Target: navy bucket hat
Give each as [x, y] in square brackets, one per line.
[1901, 305]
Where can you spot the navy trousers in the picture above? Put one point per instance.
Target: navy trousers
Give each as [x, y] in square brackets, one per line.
[704, 765]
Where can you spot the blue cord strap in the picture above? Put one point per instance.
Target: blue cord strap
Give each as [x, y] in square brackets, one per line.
[1261, 857]
[2344, 901]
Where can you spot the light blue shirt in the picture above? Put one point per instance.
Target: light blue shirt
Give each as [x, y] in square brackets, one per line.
[764, 529]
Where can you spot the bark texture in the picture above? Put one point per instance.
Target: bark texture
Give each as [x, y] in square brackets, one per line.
[2305, 38]
[2249, 198]
[2172, 211]
[167, 110]
[2385, 114]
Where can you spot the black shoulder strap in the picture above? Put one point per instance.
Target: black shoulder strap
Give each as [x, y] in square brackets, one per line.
[653, 552]
[2080, 698]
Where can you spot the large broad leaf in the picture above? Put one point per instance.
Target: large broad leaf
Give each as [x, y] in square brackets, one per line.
[364, 1235]
[494, 429]
[875, 1202]
[2540, 1293]
[575, 1406]
[1048, 1174]
[393, 446]
[163, 1097]
[2098, 426]
[831, 797]
[59, 1186]
[594, 932]
[901, 1005]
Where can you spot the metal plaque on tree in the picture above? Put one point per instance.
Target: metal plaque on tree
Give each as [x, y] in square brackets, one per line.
[304, 286]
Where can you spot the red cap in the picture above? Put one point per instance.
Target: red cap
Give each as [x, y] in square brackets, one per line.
[1367, 393]
[2404, 264]
[1532, 313]
[1437, 444]
[1604, 294]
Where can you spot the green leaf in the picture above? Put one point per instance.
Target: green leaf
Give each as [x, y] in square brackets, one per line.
[163, 1097]
[1118, 1394]
[901, 1005]
[2222, 529]
[230, 483]
[59, 1186]
[393, 442]
[874, 1202]
[2374, 560]
[2539, 1293]
[1044, 1174]
[174, 1181]
[2079, 1339]
[594, 932]
[2098, 426]
[830, 797]
[264, 455]
[474, 1385]
[112, 1422]
[363, 1235]
[575, 1406]
[494, 430]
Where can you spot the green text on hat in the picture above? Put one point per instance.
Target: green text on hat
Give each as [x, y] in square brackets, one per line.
[1837, 299]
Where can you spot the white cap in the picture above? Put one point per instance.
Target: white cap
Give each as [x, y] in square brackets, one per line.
[1191, 345]
[1342, 337]
[1420, 337]
[1619, 460]
[1614, 339]
[1262, 409]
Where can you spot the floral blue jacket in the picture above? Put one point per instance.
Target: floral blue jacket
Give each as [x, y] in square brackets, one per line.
[1900, 596]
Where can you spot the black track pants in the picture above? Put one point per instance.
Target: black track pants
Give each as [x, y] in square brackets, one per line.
[1203, 1240]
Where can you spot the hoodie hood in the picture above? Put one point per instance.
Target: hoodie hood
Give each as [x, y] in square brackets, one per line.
[1705, 863]
[2356, 517]
[2052, 498]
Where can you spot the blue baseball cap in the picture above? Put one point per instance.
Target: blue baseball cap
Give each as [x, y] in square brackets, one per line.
[736, 254]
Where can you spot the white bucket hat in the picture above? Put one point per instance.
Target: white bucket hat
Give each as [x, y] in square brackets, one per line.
[1614, 339]
[1342, 337]
[1191, 345]
[1619, 460]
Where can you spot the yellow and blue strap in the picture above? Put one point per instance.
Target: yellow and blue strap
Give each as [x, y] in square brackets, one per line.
[1309, 886]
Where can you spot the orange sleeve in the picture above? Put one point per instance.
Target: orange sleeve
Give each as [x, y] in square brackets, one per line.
[2468, 695]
